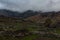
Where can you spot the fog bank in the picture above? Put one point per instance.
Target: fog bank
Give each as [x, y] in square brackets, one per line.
[23, 5]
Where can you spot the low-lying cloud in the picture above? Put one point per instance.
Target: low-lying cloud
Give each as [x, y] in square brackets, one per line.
[23, 5]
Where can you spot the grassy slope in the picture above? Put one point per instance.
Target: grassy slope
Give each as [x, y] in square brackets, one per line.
[13, 24]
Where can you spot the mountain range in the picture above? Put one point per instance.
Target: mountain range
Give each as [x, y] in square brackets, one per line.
[9, 13]
[31, 15]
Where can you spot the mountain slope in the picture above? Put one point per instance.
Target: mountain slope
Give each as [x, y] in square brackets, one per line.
[43, 16]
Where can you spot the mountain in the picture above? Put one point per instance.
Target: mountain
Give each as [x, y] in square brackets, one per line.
[9, 13]
[35, 16]
[41, 17]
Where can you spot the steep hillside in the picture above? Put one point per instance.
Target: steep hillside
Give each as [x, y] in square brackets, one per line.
[43, 16]
[29, 25]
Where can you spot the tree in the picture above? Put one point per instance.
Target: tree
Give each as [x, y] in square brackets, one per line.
[48, 22]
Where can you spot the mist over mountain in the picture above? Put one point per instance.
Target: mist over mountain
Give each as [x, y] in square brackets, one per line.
[36, 5]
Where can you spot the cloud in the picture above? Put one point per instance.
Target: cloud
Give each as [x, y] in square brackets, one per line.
[23, 5]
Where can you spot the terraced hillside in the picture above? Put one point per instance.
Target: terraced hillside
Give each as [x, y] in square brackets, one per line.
[44, 26]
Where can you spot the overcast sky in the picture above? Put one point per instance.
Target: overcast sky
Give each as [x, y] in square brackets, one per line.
[23, 5]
